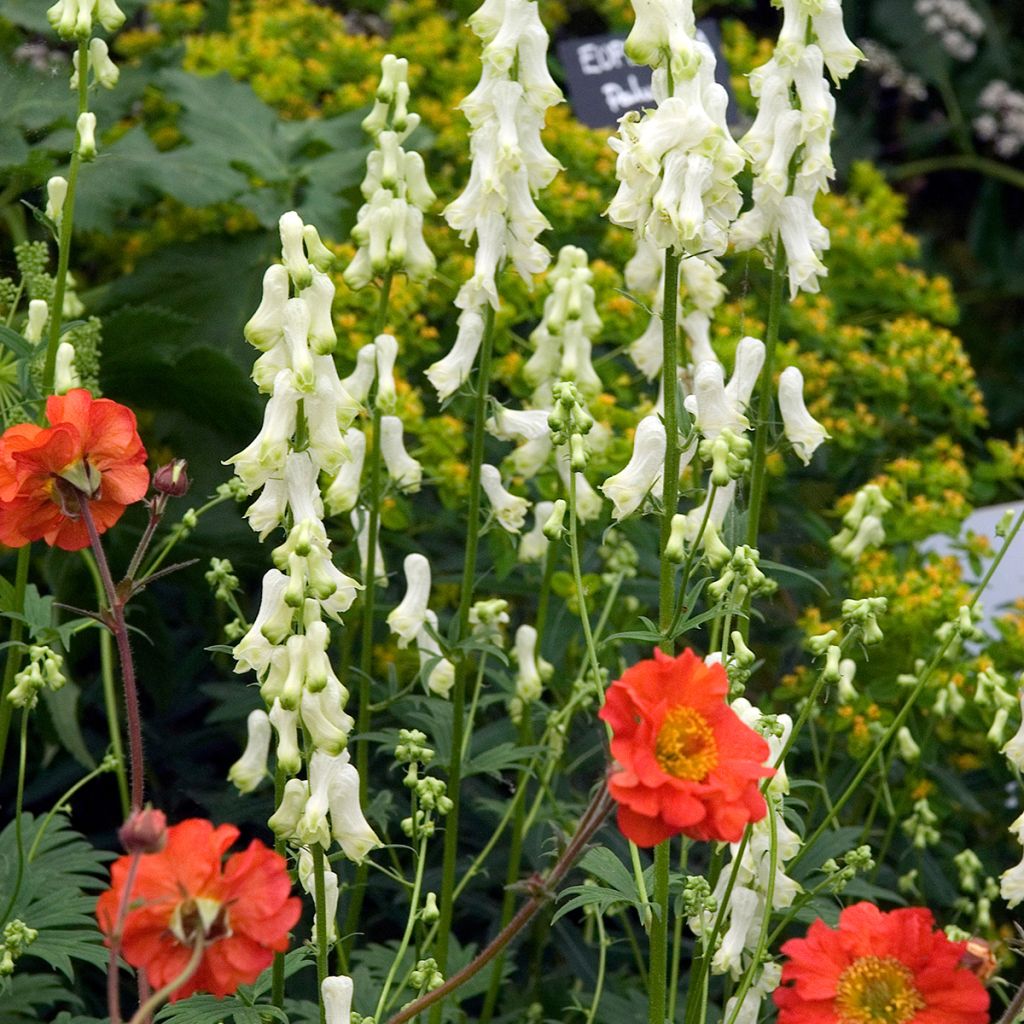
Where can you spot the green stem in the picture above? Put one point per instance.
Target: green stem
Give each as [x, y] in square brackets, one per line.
[478, 686]
[581, 595]
[281, 848]
[677, 939]
[451, 828]
[959, 162]
[550, 562]
[322, 945]
[176, 535]
[362, 746]
[764, 402]
[14, 651]
[67, 220]
[109, 687]
[18, 811]
[410, 924]
[657, 980]
[103, 766]
[602, 959]
[669, 377]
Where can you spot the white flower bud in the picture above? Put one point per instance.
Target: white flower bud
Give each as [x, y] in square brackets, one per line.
[292, 250]
[85, 129]
[448, 374]
[319, 297]
[284, 821]
[441, 675]
[65, 374]
[642, 475]
[285, 724]
[528, 680]
[323, 717]
[406, 620]
[750, 354]
[802, 430]
[361, 524]
[251, 768]
[265, 327]
[840, 54]
[319, 255]
[270, 627]
[1014, 748]
[111, 17]
[509, 510]
[343, 492]
[38, 314]
[908, 748]
[359, 381]
[336, 994]
[56, 193]
[387, 353]
[403, 469]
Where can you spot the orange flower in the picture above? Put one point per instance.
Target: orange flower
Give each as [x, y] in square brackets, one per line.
[91, 448]
[688, 763]
[244, 909]
[878, 968]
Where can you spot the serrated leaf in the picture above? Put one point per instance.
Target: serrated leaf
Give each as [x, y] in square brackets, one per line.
[207, 1009]
[604, 864]
[587, 896]
[25, 994]
[495, 760]
[57, 893]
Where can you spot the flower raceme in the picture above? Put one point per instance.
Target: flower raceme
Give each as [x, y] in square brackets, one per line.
[687, 763]
[878, 968]
[91, 451]
[241, 910]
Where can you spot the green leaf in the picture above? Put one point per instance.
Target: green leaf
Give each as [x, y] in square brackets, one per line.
[604, 864]
[207, 1009]
[12, 339]
[62, 705]
[495, 760]
[58, 892]
[31, 99]
[24, 995]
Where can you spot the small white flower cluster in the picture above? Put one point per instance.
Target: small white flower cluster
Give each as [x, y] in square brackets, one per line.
[286, 645]
[45, 671]
[412, 621]
[862, 524]
[886, 67]
[747, 906]
[73, 19]
[562, 351]
[955, 23]
[1002, 120]
[1012, 880]
[677, 163]
[389, 226]
[789, 143]
[509, 165]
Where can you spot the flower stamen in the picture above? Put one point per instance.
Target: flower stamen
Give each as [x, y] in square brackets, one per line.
[877, 990]
[686, 747]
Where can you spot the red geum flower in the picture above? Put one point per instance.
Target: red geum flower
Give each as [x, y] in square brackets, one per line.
[688, 764]
[243, 909]
[91, 448]
[878, 968]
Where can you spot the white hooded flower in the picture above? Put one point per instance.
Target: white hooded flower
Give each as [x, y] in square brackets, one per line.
[802, 430]
[509, 509]
[1014, 748]
[533, 545]
[402, 468]
[448, 374]
[336, 994]
[285, 724]
[406, 620]
[307, 879]
[642, 475]
[251, 768]
[343, 492]
[387, 352]
[440, 672]
[528, 679]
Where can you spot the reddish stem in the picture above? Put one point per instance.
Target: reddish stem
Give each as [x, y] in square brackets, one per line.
[113, 971]
[120, 630]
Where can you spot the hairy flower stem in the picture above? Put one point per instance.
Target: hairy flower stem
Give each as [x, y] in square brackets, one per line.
[118, 626]
[67, 221]
[362, 748]
[113, 970]
[322, 950]
[764, 403]
[657, 978]
[110, 689]
[462, 668]
[542, 890]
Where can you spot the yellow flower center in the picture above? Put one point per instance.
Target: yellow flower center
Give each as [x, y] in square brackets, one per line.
[686, 746]
[877, 990]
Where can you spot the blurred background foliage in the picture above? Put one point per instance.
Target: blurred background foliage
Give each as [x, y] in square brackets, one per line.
[232, 111]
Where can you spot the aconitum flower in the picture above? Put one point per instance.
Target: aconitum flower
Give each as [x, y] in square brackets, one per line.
[91, 452]
[878, 967]
[687, 763]
[240, 909]
[802, 430]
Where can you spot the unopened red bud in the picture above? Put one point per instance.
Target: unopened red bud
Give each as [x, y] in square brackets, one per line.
[172, 479]
[145, 831]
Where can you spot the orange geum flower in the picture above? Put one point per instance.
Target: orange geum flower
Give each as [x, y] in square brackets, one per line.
[688, 763]
[90, 452]
[242, 910]
[879, 968]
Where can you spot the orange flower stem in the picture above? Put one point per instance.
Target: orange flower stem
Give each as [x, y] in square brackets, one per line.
[119, 628]
[113, 969]
[158, 998]
[542, 889]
